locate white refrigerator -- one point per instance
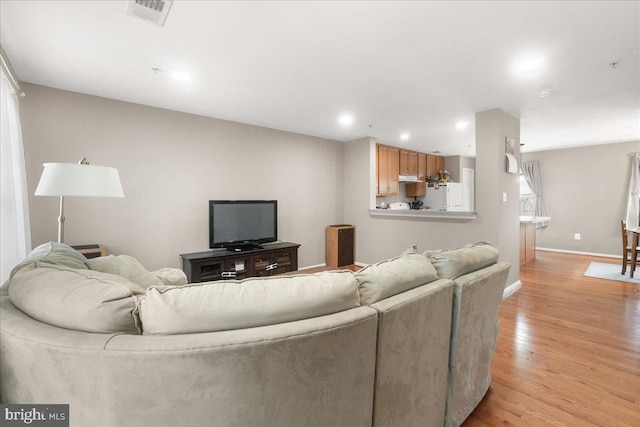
(447, 197)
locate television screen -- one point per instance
(238, 223)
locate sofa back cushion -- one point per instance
(77, 299)
(131, 269)
(453, 263)
(238, 304)
(386, 278)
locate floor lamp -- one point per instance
(77, 179)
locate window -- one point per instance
(524, 187)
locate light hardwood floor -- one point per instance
(568, 353)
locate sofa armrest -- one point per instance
(474, 332)
(412, 357)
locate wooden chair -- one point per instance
(627, 250)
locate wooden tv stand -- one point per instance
(275, 258)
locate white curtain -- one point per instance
(15, 234)
(531, 173)
(633, 202)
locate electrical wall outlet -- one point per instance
(504, 197)
(576, 236)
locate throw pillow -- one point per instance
(413, 249)
(453, 263)
(49, 253)
(77, 299)
(130, 268)
(390, 277)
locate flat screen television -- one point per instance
(242, 224)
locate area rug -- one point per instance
(611, 272)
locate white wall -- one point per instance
(170, 165)
(379, 238)
(585, 191)
(455, 164)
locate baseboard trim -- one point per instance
(511, 289)
(565, 251)
(359, 264)
(311, 266)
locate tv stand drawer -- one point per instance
(275, 258)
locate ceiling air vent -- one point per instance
(155, 11)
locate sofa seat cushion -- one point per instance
(131, 269)
(386, 278)
(78, 299)
(238, 304)
(453, 263)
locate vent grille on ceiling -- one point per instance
(155, 11)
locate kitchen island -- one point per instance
(528, 236)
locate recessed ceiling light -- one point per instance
(405, 136)
(345, 119)
(543, 93)
(181, 76)
(529, 65)
(462, 124)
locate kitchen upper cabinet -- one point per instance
(434, 164)
(388, 170)
(419, 189)
(408, 162)
(439, 163)
(432, 169)
(422, 166)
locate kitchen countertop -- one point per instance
(422, 214)
(426, 214)
(534, 219)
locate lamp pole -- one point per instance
(61, 221)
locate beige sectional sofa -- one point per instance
(403, 342)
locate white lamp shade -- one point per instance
(73, 179)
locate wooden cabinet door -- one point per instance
(419, 189)
(285, 261)
(207, 271)
(263, 264)
(236, 268)
(523, 243)
(383, 169)
(413, 163)
(416, 189)
(408, 162)
(530, 231)
(404, 162)
(422, 166)
(432, 169)
(439, 163)
(388, 170)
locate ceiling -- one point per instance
(396, 67)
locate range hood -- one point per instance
(408, 178)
